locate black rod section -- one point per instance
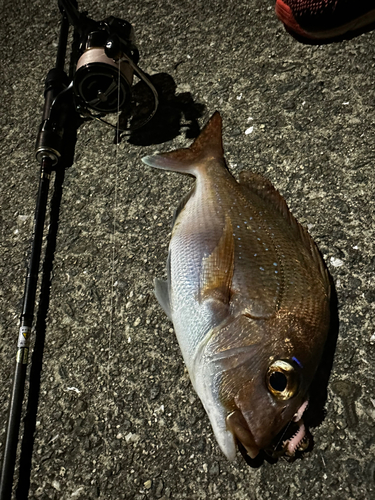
(15, 405)
(63, 40)
(49, 150)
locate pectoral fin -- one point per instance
(162, 294)
(217, 268)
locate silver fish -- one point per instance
(248, 294)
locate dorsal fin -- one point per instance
(162, 288)
(265, 190)
(188, 160)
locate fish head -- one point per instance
(266, 404)
(266, 367)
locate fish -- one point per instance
(248, 294)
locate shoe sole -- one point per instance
(285, 15)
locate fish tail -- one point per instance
(207, 146)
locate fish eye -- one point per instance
(282, 380)
(278, 381)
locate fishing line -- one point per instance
(282, 435)
(113, 257)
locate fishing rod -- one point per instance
(103, 62)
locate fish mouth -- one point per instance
(292, 439)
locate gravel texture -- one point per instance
(117, 417)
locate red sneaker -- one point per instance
(322, 20)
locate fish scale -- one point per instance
(186, 254)
(248, 294)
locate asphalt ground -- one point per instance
(117, 417)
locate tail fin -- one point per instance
(208, 145)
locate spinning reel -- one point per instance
(104, 72)
(104, 61)
(107, 61)
(105, 69)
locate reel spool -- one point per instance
(98, 83)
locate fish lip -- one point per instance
(301, 411)
(237, 424)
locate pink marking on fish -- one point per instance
(292, 444)
(301, 411)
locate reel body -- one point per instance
(105, 70)
(100, 83)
